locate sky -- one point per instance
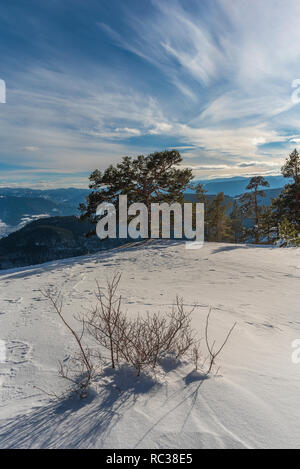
(90, 81)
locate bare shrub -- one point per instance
(106, 323)
(142, 341)
(155, 336)
(80, 369)
(196, 354)
(214, 353)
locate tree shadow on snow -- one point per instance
(243, 246)
(195, 376)
(74, 422)
(228, 248)
(191, 395)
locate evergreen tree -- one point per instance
(219, 228)
(291, 195)
(201, 197)
(148, 179)
(288, 235)
(267, 222)
(200, 193)
(250, 202)
(280, 208)
(237, 227)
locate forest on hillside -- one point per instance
(159, 178)
(249, 220)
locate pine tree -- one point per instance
(148, 179)
(267, 222)
(250, 202)
(200, 193)
(291, 196)
(237, 226)
(279, 211)
(202, 198)
(288, 235)
(218, 222)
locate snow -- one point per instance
(252, 403)
(5, 229)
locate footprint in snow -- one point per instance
(15, 300)
(16, 352)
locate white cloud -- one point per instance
(161, 128)
(229, 65)
(126, 130)
(208, 167)
(269, 164)
(30, 148)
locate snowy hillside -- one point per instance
(252, 403)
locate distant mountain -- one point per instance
(237, 185)
(49, 239)
(20, 206)
(270, 194)
(41, 238)
(228, 200)
(70, 197)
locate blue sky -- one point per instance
(91, 81)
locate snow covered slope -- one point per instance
(253, 403)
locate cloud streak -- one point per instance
(213, 78)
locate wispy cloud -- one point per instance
(213, 78)
(30, 148)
